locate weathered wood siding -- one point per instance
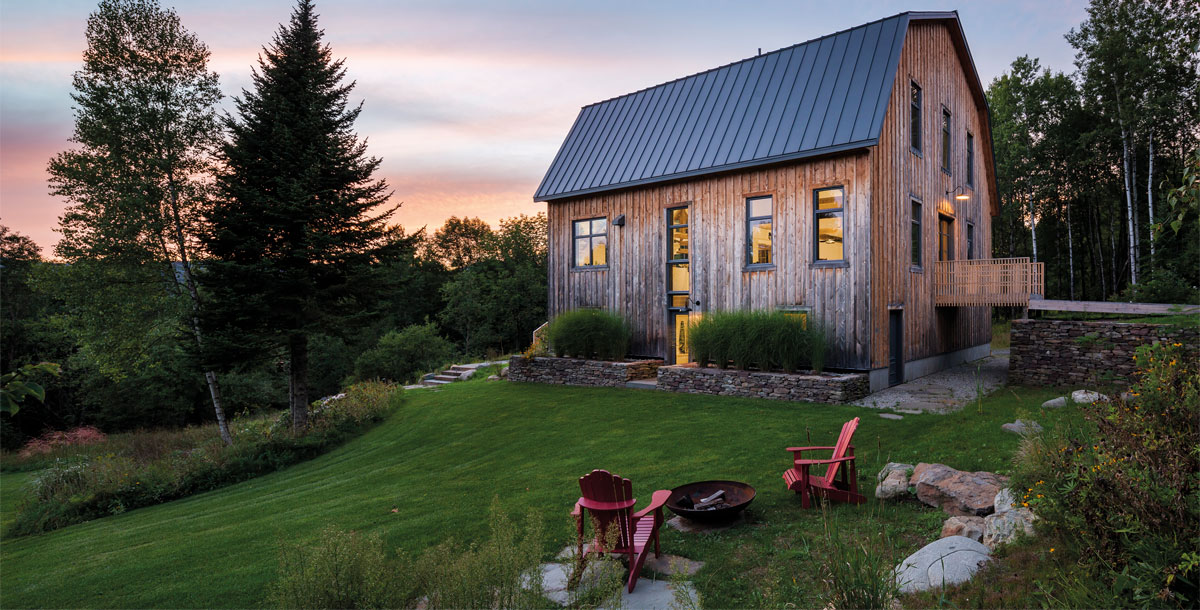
(930, 59)
(634, 281)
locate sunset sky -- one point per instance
(465, 102)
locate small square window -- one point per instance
(591, 242)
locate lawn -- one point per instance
(443, 457)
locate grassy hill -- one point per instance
(447, 453)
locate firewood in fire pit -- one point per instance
(704, 503)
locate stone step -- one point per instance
(434, 381)
(460, 368)
(642, 384)
(446, 378)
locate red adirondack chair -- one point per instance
(609, 500)
(836, 489)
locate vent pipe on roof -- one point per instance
(760, 50)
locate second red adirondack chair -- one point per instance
(609, 500)
(836, 489)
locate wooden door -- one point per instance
(895, 346)
(679, 281)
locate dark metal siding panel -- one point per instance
(823, 95)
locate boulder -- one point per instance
(957, 492)
(1055, 403)
(947, 561)
(504, 372)
(967, 527)
(493, 378)
(1004, 502)
(1087, 397)
(1001, 528)
(1023, 427)
(892, 481)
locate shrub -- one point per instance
(1124, 485)
(1160, 286)
(589, 333)
(343, 570)
(758, 339)
(48, 442)
(402, 356)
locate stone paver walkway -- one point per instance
(943, 391)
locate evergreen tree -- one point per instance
(297, 220)
(146, 125)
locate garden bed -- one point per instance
(837, 388)
(581, 372)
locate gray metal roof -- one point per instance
(813, 98)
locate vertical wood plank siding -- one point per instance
(634, 282)
(928, 58)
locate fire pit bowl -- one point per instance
(737, 497)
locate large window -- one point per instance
(945, 238)
(829, 233)
(945, 140)
(591, 242)
(678, 271)
(970, 160)
(758, 231)
(915, 118)
(916, 233)
(970, 241)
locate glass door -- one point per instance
(678, 284)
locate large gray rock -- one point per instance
(947, 561)
(1002, 528)
(1005, 501)
(967, 527)
(1055, 403)
(957, 492)
(1023, 427)
(892, 481)
(1087, 397)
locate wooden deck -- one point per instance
(988, 282)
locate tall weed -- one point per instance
(342, 570)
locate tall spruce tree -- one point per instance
(298, 217)
(146, 126)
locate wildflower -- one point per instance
(1051, 549)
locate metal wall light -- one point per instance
(958, 193)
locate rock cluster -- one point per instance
(1023, 427)
(827, 387)
(956, 492)
(575, 371)
(1069, 352)
(892, 481)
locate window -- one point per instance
(758, 231)
(945, 140)
(970, 241)
(591, 242)
(970, 161)
(915, 118)
(797, 312)
(827, 213)
(916, 233)
(945, 238)
(678, 269)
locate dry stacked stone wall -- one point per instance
(575, 371)
(835, 388)
(1081, 353)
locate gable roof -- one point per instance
(817, 97)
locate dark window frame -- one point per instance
(591, 248)
(676, 262)
(970, 241)
(817, 213)
(970, 160)
(947, 141)
(916, 254)
(914, 118)
(949, 234)
(749, 252)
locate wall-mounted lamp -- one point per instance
(958, 193)
(619, 221)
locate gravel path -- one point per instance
(944, 391)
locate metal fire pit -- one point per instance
(737, 497)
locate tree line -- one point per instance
(212, 261)
(1097, 169)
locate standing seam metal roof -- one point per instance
(817, 97)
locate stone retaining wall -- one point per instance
(574, 371)
(1084, 353)
(838, 388)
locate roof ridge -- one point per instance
(779, 50)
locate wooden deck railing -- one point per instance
(988, 282)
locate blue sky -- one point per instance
(465, 102)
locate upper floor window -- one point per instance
(916, 233)
(915, 117)
(758, 231)
(945, 140)
(591, 242)
(970, 241)
(970, 160)
(829, 234)
(945, 238)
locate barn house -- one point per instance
(848, 178)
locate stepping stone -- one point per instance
(651, 594)
(693, 527)
(892, 416)
(668, 565)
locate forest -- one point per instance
(214, 264)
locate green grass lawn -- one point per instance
(448, 452)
